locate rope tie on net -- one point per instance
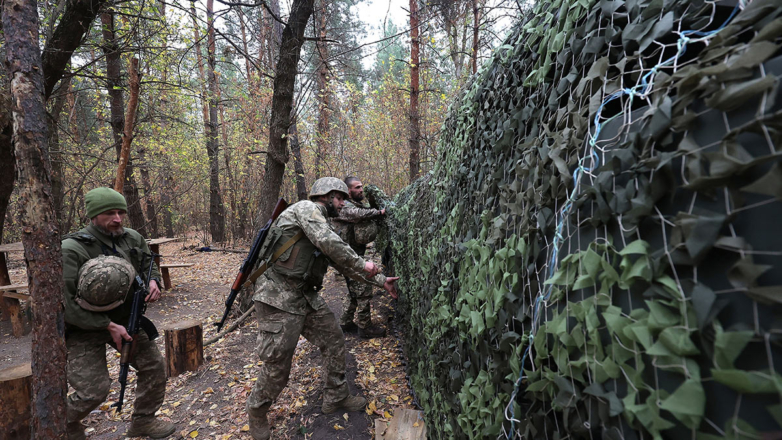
(641, 91)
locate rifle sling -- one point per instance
(266, 264)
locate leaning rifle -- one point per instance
(250, 260)
(137, 321)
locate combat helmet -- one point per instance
(104, 283)
(325, 185)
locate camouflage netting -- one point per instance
(597, 252)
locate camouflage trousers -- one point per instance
(278, 336)
(89, 375)
(357, 302)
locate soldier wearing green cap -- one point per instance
(100, 263)
(299, 247)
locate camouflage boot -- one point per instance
(149, 426)
(373, 331)
(75, 431)
(259, 425)
(350, 404)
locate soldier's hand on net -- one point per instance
(390, 286)
(371, 269)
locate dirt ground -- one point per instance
(209, 403)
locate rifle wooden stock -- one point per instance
(249, 261)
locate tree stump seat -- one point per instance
(184, 342)
(12, 306)
(166, 276)
(15, 399)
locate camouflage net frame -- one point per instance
(595, 254)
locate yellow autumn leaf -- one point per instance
(372, 407)
(209, 391)
(194, 434)
(394, 397)
(386, 415)
(338, 427)
(245, 428)
(416, 425)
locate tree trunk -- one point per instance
(415, 129)
(41, 238)
(147, 182)
(282, 104)
(130, 120)
(322, 137)
(298, 165)
(117, 107)
(230, 177)
(55, 152)
(216, 211)
(6, 147)
(476, 16)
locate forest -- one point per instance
(579, 197)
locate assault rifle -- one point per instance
(250, 260)
(137, 321)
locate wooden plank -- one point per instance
(13, 287)
(407, 424)
(380, 429)
(173, 265)
(162, 240)
(16, 295)
(12, 247)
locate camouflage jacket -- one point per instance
(89, 243)
(293, 296)
(354, 212)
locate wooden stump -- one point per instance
(15, 395)
(184, 347)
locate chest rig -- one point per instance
(301, 261)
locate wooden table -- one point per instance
(154, 246)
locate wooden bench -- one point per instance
(11, 297)
(166, 276)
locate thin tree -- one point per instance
(41, 236)
(216, 210)
(282, 104)
(415, 128)
(113, 52)
(322, 138)
(130, 120)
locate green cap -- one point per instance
(100, 200)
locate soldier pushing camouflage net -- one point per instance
(300, 244)
(357, 225)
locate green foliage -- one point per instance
(614, 280)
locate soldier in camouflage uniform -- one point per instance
(99, 264)
(355, 225)
(300, 245)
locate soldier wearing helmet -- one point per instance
(288, 304)
(356, 225)
(100, 263)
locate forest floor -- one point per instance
(210, 403)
